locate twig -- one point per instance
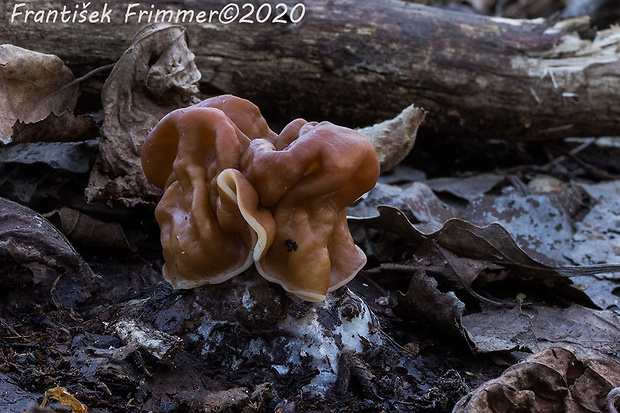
(79, 79)
(610, 400)
(593, 169)
(86, 76)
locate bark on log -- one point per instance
(359, 61)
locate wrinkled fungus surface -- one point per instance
(236, 193)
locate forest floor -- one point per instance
(493, 282)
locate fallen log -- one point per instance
(356, 62)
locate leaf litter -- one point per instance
(499, 273)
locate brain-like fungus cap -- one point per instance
(204, 237)
(306, 178)
(237, 193)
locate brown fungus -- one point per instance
(237, 193)
(204, 237)
(306, 178)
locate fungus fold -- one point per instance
(236, 193)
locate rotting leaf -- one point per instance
(559, 225)
(65, 398)
(541, 224)
(225, 400)
(19, 398)
(99, 358)
(416, 201)
(508, 329)
(494, 244)
(75, 157)
(402, 174)
(424, 301)
(155, 76)
(352, 367)
(28, 240)
(64, 127)
(38, 173)
(453, 272)
(468, 188)
(394, 138)
(552, 380)
(32, 85)
(596, 238)
(530, 328)
(86, 231)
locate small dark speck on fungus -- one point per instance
(290, 245)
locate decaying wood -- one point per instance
(157, 344)
(356, 62)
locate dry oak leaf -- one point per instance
(393, 139)
(32, 86)
(85, 231)
(553, 380)
(156, 75)
(30, 241)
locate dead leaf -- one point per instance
(468, 188)
(492, 244)
(453, 272)
(155, 343)
(596, 239)
(39, 172)
(351, 366)
(545, 184)
(584, 330)
(101, 358)
(401, 174)
(424, 301)
(394, 138)
(541, 224)
(155, 76)
(65, 398)
(570, 223)
(219, 401)
(496, 328)
(459, 253)
(86, 231)
(65, 127)
(32, 85)
(416, 201)
(603, 289)
(550, 381)
(71, 156)
(28, 240)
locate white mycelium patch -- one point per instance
(352, 323)
(312, 336)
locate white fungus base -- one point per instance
(325, 346)
(320, 334)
